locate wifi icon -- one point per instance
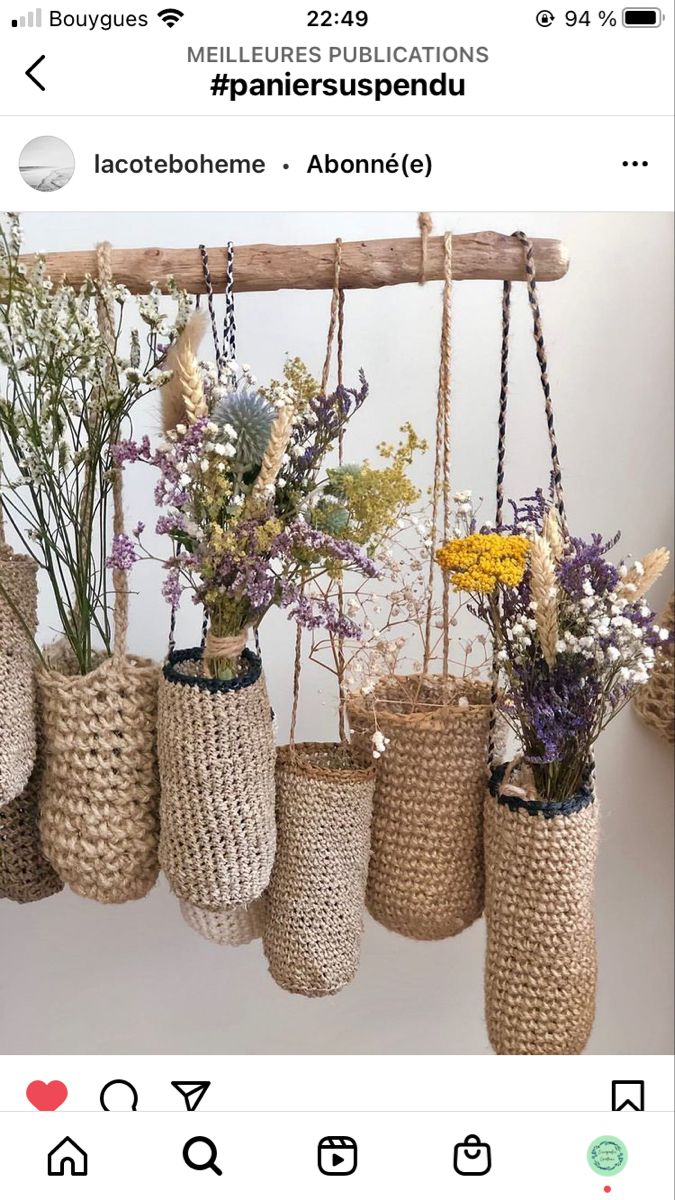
(170, 16)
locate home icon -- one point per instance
(67, 1159)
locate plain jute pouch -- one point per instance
(540, 972)
(315, 901)
(425, 879)
(18, 618)
(216, 762)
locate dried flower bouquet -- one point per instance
(573, 635)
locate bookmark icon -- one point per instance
(192, 1092)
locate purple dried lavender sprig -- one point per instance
(585, 561)
(301, 535)
(122, 553)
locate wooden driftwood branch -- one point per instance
(372, 264)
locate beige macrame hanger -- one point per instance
(336, 325)
(106, 321)
(441, 494)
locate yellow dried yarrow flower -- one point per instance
(482, 561)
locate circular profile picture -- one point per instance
(46, 164)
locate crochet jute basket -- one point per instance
(655, 701)
(425, 878)
(18, 595)
(99, 796)
(25, 874)
(228, 927)
(216, 761)
(315, 902)
(540, 973)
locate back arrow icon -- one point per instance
(31, 76)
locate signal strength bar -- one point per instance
(32, 20)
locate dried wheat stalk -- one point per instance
(552, 532)
(637, 583)
(183, 396)
(273, 457)
(545, 593)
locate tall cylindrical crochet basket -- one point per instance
(229, 926)
(540, 973)
(99, 818)
(216, 761)
(315, 902)
(18, 615)
(655, 701)
(425, 879)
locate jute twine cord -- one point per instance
(99, 820)
(216, 756)
(18, 615)
(655, 701)
(224, 647)
(540, 974)
(315, 901)
(425, 878)
(556, 474)
(25, 875)
(229, 926)
(441, 494)
(425, 226)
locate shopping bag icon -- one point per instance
(472, 1157)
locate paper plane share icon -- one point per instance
(192, 1092)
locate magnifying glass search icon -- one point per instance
(210, 1162)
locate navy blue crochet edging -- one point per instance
(173, 673)
(547, 808)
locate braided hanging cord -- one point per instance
(211, 304)
(106, 321)
(441, 495)
(556, 474)
(213, 647)
(336, 324)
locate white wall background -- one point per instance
(81, 978)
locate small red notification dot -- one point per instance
(607, 1189)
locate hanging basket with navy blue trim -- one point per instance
(540, 973)
(216, 761)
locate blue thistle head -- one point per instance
(251, 417)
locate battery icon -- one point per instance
(642, 18)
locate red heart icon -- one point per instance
(46, 1096)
